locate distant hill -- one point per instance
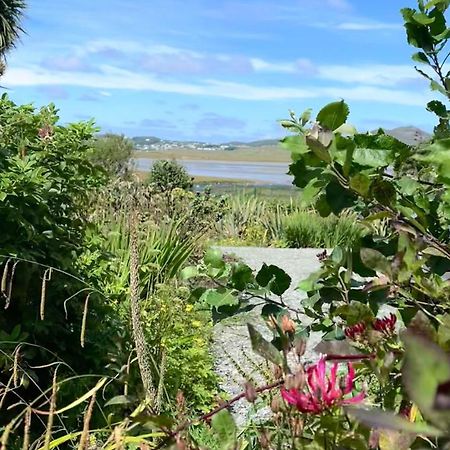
(409, 135)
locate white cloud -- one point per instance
(367, 26)
(373, 74)
(110, 78)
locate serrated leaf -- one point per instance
(333, 115)
(264, 348)
(274, 278)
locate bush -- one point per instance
(166, 176)
(113, 152)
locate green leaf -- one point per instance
(333, 115)
(384, 420)
(241, 276)
(121, 400)
(372, 157)
(383, 191)
(225, 429)
(355, 312)
(264, 348)
(319, 149)
(295, 144)
(311, 283)
(426, 366)
(375, 260)
(274, 278)
(438, 108)
(219, 297)
(214, 258)
(189, 272)
(420, 57)
(422, 19)
(361, 184)
(312, 190)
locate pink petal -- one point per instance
(349, 379)
(356, 399)
(290, 396)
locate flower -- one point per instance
(386, 325)
(323, 390)
(45, 132)
(356, 331)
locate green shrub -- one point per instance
(166, 176)
(113, 152)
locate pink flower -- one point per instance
(356, 331)
(323, 390)
(386, 325)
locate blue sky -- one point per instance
(216, 70)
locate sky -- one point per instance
(217, 70)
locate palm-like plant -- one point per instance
(11, 12)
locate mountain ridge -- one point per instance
(410, 135)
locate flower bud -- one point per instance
(250, 392)
(287, 325)
(277, 372)
(276, 404)
(300, 347)
(264, 439)
(297, 426)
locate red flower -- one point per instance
(323, 391)
(356, 331)
(386, 325)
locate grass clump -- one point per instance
(304, 229)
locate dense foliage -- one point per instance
(113, 152)
(166, 176)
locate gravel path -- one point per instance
(235, 360)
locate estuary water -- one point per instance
(255, 172)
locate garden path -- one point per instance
(235, 360)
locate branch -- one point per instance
(215, 411)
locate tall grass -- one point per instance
(251, 220)
(304, 229)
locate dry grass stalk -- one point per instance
(47, 277)
(48, 432)
(16, 366)
(84, 439)
(6, 389)
(6, 433)
(83, 323)
(10, 285)
(5, 276)
(26, 431)
(118, 438)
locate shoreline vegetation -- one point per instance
(274, 154)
